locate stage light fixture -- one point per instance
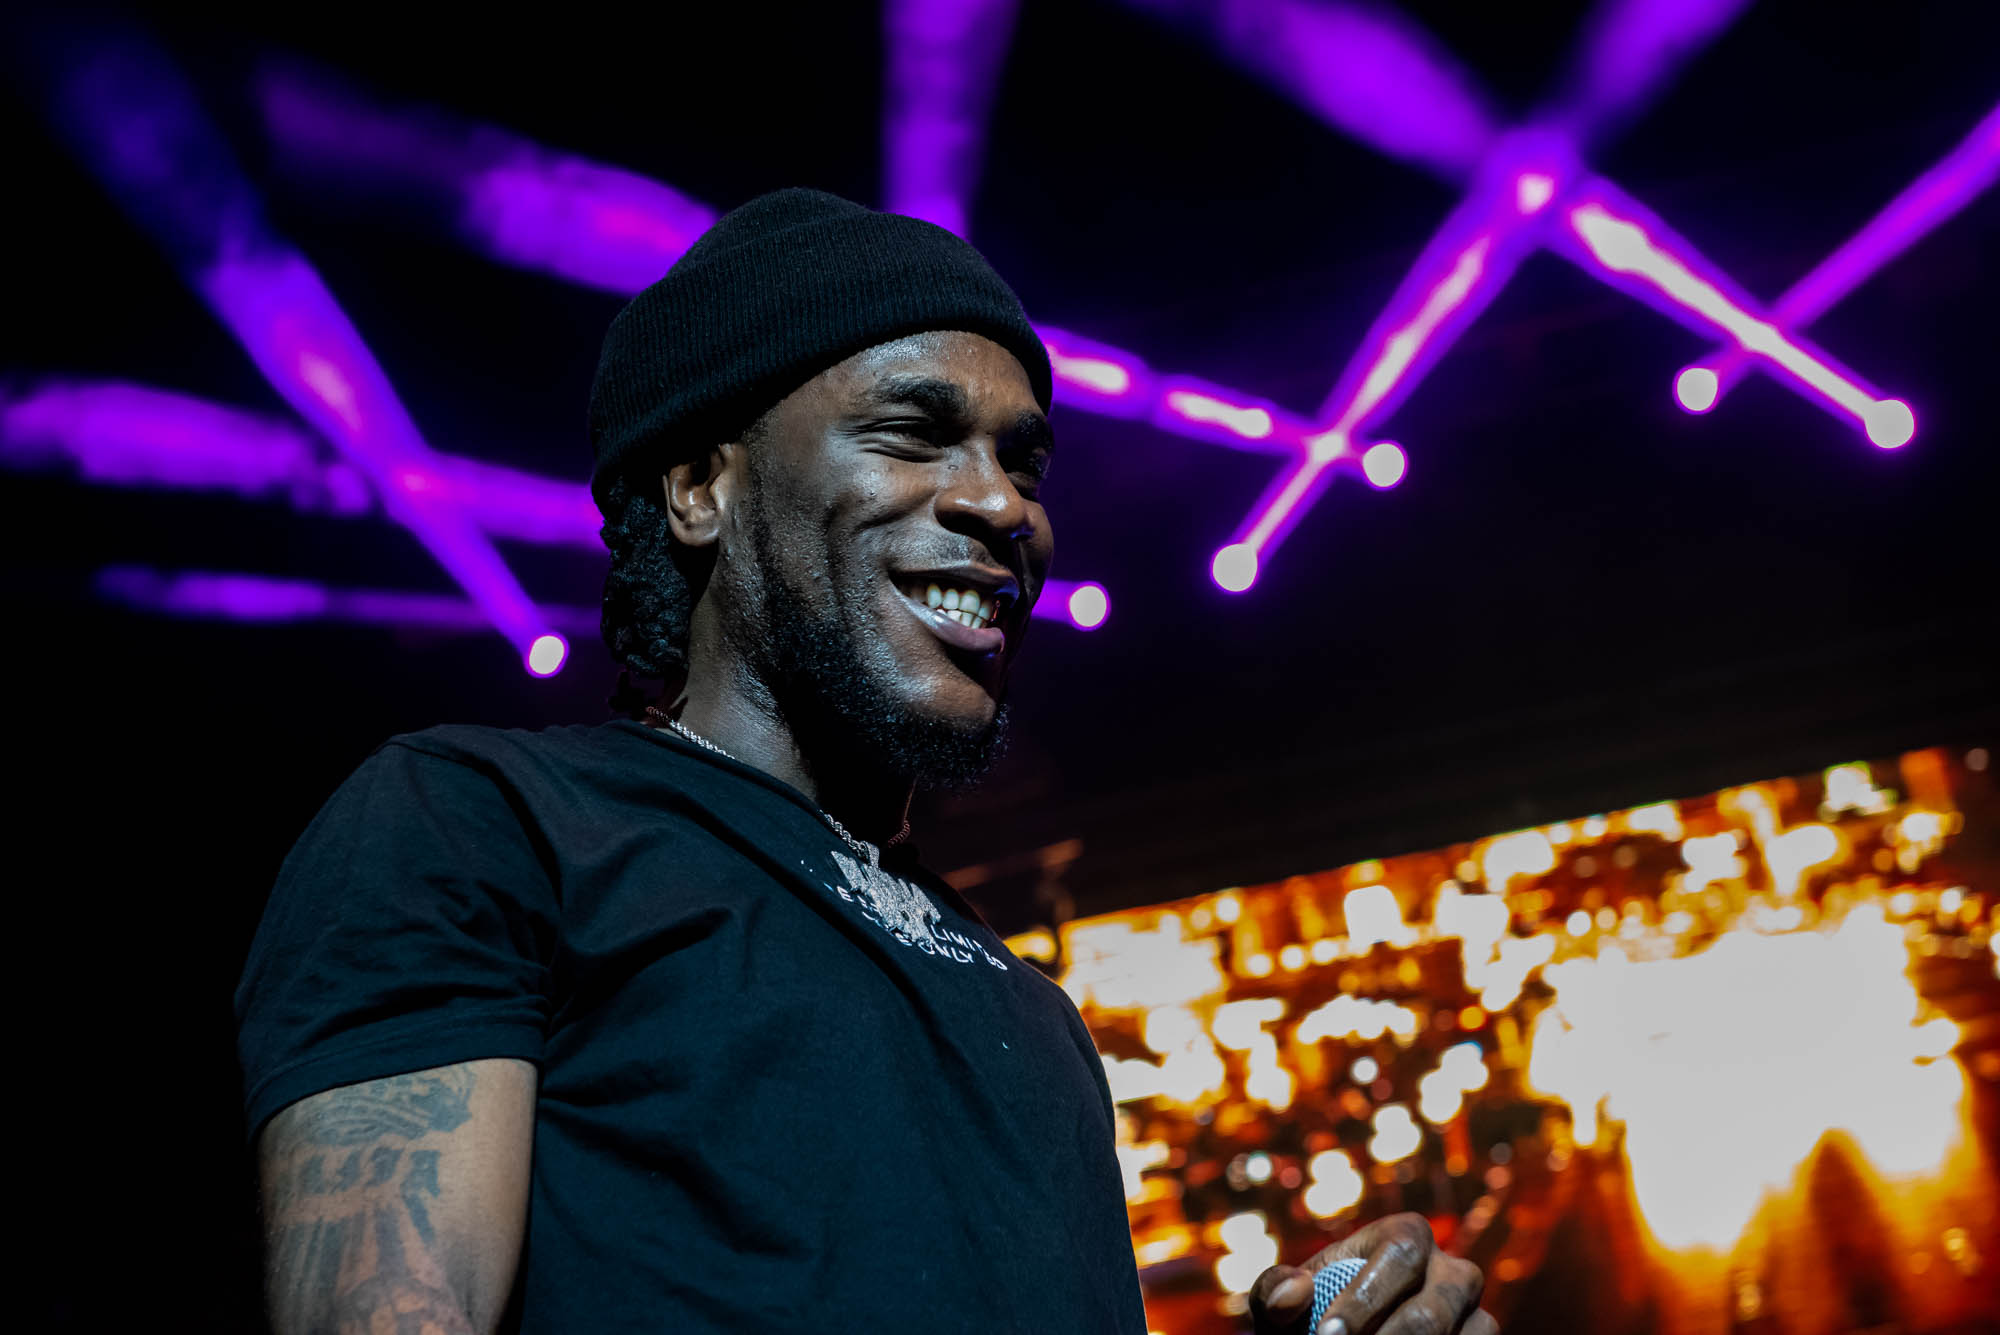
(1533, 191)
(1366, 70)
(1638, 253)
(1628, 55)
(1235, 567)
(136, 124)
(1462, 268)
(943, 59)
(1696, 389)
(134, 435)
(245, 597)
(512, 200)
(1965, 173)
(524, 205)
(1890, 423)
(1205, 409)
(547, 655)
(1082, 605)
(1628, 51)
(1385, 464)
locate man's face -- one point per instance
(888, 491)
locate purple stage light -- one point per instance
(301, 340)
(220, 596)
(137, 125)
(593, 225)
(1696, 389)
(509, 198)
(1083, 606)
(1635, 251)
(1890, 423)
(607, 228)
(943, 59)
(1102, 379)
(1532, 191)
(1209, 412)
(1460, 271)
(131, 435)
(1631, 49)
(1096, 377)
(1364, 70)
(1234, 568)
(1629, 56)
(508, 503)
(1385, 464)
(547, 655)
(238, 596)
(1931, 200)
(1089, 606)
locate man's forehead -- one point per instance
(935, 365)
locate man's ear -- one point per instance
(699, 493)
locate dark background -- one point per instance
(1580, 599)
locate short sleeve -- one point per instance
(411, 926)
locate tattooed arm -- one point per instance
(398, 1204)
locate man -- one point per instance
(660, 1025)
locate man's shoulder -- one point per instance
(483, 746)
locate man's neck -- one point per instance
(737, 713)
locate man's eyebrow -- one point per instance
(941, 399)
(1032, 432)
(947, 403)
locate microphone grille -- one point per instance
(1328, 1283)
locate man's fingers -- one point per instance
(1281, 1298)
(1399, 1250)
(1449, 1298)
(1481, 1323)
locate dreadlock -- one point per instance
(651, 587)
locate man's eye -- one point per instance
(1034, 466)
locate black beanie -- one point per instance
(774, 293)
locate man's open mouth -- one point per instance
(967, 614)
(963, 603)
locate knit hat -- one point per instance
(774, 293)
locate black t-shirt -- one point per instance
(776, 1092)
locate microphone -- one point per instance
(1327, 1285)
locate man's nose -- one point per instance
(980, 491)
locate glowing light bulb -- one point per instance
(1532, 191)
(1326, 446)
(1385, 464)
(1397, 1135)
(1336, 1186)
(1697, 388)
(1890, 423)
(1235, 567)
(547, 655)
(1088, 606)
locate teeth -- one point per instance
(965, 606)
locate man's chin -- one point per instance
(950, 752)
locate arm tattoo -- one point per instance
(350, 1234)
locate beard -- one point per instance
(830, 686)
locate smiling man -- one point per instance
(660, 1024)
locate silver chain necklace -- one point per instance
(867, 851)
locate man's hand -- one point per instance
(1407, 1287)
